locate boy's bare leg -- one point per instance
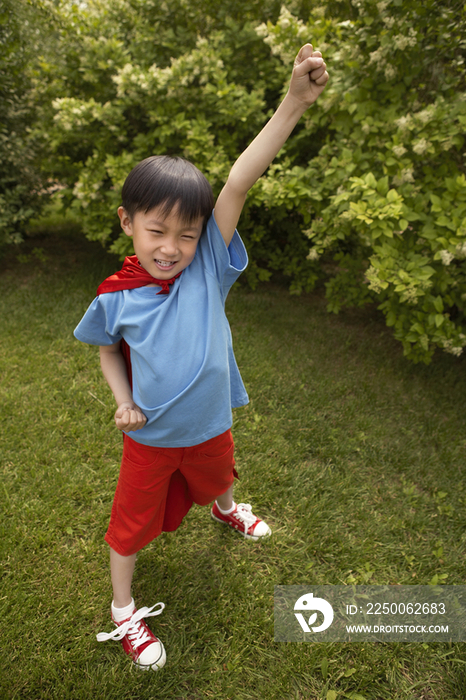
(145, 649)
(122, 569)
(225, 501)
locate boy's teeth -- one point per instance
(162, 262)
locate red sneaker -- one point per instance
(145, 649)
(243, 520)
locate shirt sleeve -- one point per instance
(99, 325)
(225, 264)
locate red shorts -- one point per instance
(158, 485)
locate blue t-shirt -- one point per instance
(185, 376)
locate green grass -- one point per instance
(352, 455)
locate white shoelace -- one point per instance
(244, 514)
(135, 631)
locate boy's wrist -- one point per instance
(296, 105)
(126, 403)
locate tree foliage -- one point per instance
(369, 193)
(392, 208)
(20, 179)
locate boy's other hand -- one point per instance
(309, 76)
(129, 416)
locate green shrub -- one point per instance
(368, 194)
(20, 180)
(389, 189)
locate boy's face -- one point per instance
(164, 244)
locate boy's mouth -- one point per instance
(165, 263)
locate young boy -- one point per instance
(166, 352)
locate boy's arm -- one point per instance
(128, 415)
(308, 80)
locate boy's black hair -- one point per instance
(168, 182)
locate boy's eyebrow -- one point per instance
(155, 222)
(185, 227)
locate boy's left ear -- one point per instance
(125, 221)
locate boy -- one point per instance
(167, 355)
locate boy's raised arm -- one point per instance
(308, 80)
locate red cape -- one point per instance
(131, 276)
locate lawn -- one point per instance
(353, 456)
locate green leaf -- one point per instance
(443, 221)
(350, 671)
(370, 180)
(324, 667)
(382, 186)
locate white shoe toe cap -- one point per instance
(153, 656)
(262, 530)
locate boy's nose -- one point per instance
(169, 247)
